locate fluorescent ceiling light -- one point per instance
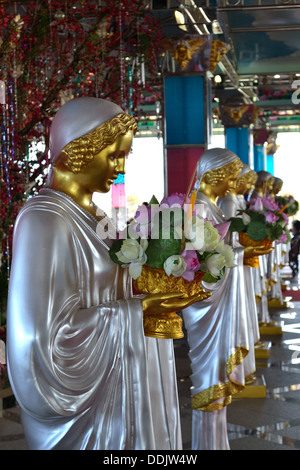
(180, 20)
(204, 15)
(216, 28)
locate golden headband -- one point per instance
(249, 177)
(214, 177)
(78, 153)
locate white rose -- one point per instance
(194, 232)
(175, 265)
(133, 253)
(214, 264)
(211, 237)
(227, 252)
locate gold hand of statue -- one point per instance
(258, 250)
(170, 302)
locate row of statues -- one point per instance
(83, 372)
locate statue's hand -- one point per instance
(170, 302)
(251, 251)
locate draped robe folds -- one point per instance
(274, 264)
(82, 371)
(218, 341)
(230, 205)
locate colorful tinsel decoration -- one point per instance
(52, 51)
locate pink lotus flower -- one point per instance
(222, 229)
(256, 205)
(176, 198)
(286, 217)
(192, 264)
(270, 204)
(271, 218)
(142, 220)
(143, 214)
(282, 238)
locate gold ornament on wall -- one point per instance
(183, 50)
(206, 53)
(236, 113)
(218, 48)
(239, 114)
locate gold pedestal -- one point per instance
(154, 281)
(245, 240)
(262, 349)
(276, 303)
(256, 389)
(272, 328)
(166, 326)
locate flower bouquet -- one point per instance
(288, 204)
(170, 247)
(262, 222)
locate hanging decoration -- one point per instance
(52, 51)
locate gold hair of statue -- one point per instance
(78, 153)
(218, 182)
(276, 188)
(246, 182)
(264, 187)
(214, 177)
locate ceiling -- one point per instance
(263, 63)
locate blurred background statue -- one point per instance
(217, 327)
(230, 205)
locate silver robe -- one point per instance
(81, 369)
(218, 342)
(230, 205)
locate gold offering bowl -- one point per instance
(154, 281)
(245, 240)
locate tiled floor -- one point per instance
(271, 423)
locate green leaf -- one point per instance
(153, 201)
(257, 217)
(274, 231)
(160, 250)
(209, 278)
(116, 246)
(237, 224)
(256, 231)
(288, 235)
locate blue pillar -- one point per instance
(240, 141)
(270, 164)
(187, 126)
(260, 161)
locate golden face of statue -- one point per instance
(105, 167)
(269, 184)
(276, 188)
(244, 186)
(226, 184)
